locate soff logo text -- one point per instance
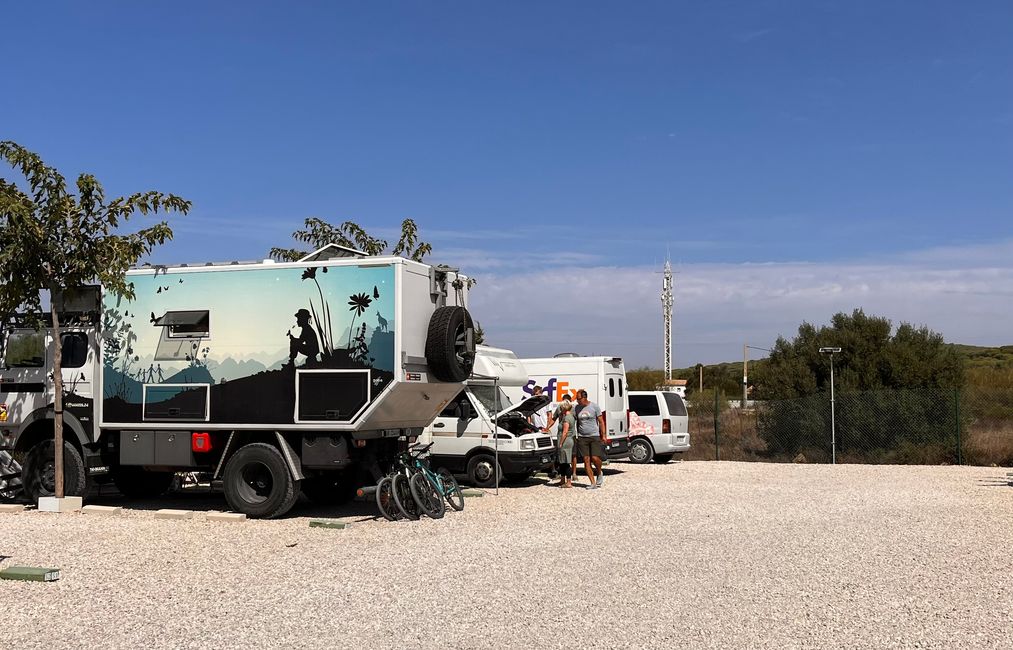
(554, 388)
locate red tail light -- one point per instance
(200, 442)
(666, 425)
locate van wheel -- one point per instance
(450, 344)
(641, 451)
(661, 459)
(257, 482)
(482, 471)
(135, 483)
(39, 472)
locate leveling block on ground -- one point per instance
(327, 523)
(31, 573)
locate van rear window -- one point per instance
(612, 387)
(644, 405)
(675, 404)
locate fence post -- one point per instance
(956, 420)
(717, 426)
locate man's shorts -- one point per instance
(590, 447)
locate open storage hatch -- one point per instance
(331, 395)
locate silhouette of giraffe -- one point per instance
(383, 322)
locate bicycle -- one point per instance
(434, 490)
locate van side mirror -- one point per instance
(464, 406)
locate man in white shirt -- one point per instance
(537, 418)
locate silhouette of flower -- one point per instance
(359, 303)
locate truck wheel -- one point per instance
(135, 483)
(257, 482)
(450, 344)
(641, 451)
(661, 459)
(330, 489)
(482, 471)
(39, 472)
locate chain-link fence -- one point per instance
(923, 426)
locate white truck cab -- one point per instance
(659, 426)
(480, 426)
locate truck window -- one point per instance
(675, 404)
(644, 405)
(74, 349)
(612, 387)
(25, 349)
(453, 408)
(620, 381)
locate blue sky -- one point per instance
(546, 146)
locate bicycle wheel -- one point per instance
(385, 499)
(427, 496)
(451, 490)
(403, 497)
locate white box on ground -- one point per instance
(66, 504)
(108, 511)
(168, 513)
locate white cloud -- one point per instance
(962, 292)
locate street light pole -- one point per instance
(833, 423)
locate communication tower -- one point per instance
(666, 305)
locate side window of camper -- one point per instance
(612, 387)
(644, 405)
(186, 324)
(74, 349)
(620, 382)
(25, 349)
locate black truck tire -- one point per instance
(482, 469)
(450, 344)
(257, 482)
(135, 483)
(38, 476)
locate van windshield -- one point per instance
(493, 398)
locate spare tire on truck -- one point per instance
(450, 344)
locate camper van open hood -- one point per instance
(527, 406)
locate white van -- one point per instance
(604, 379)
(462, 434)
(659, 426)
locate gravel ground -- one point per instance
(699, 554)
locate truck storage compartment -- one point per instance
(183, 402)
(168, 448)
(331, 395)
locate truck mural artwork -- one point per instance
(269, 335)
(274, 378)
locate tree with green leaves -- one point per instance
(56, 241)
(318, 233)
(894, 389)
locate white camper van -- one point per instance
(462, 434)
(253, 373)
(604, 379)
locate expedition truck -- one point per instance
(481, 425)
(270, 377)
(604, 379)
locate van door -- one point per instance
(455, 432)
(615, 402)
